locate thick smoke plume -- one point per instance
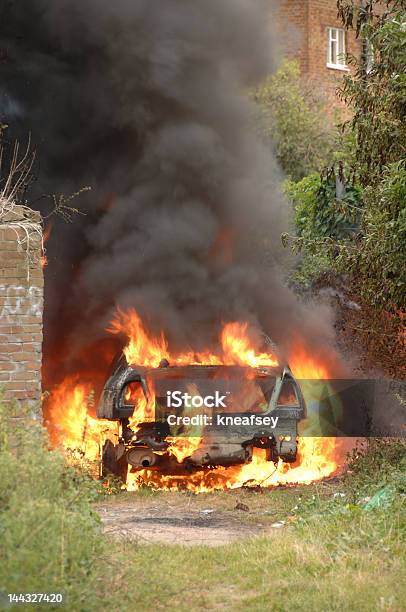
(145, 102)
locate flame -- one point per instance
(305, 366)
(238, 350)
(183, 447)
(144, 349)
(45, 238)
(144, 411)
(144, 406)
(71, 425)
(316, 460)
(141, 348)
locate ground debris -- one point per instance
(241, 506)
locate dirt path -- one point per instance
(211, 519)
(173, 526)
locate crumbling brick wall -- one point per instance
(21, 304)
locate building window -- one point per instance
(336, 49)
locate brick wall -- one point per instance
(301, 27)
(322, 15)
(289, 20)
(21, 304)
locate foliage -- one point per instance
(321, 219)
(357, 15)
(366, 515)
(293, 121)
(378, 255)
(303, 196)
(372, 164)
(50, 535)
(51, 539)
(378, 96)
(318, 210)
(378, 101)
(317, 566)
(375, 464)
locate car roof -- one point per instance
(205, 371)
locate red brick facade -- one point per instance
(301, 27)
(21, 304)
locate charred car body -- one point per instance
(252, 393)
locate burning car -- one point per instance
(179, 419)
(217, 418)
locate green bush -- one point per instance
(375, 464)
(303, 195)
(377, 99)
(293, 121)
(377, 96)
(49, 533)
(379, 255)
(320, 220)
(318, 212)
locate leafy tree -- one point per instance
(378, 255)
(293, 121)
(378, 99)
(377, 96)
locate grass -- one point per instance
(309, 572)
(50, 534)
(339, 549)
(333, 556)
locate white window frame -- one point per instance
(336, 38)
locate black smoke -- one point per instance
(145, 102)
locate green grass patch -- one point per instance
(313, 567)
(50, 536)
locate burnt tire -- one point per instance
(111, 464)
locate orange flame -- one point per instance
(305, 366)
(238, 350)
(144, 407)
(316, 460)
(142, 349)
(69, 422)
(45, 238)
(71, 425)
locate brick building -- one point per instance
(311, 32)
(21, 304)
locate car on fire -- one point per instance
(264, 406)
